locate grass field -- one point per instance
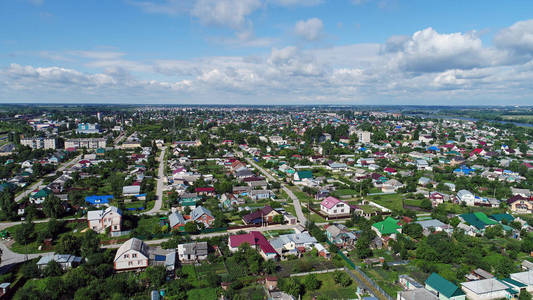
(330, 289)
(390, 201)
(202, 294)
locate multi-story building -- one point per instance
(39, 143)
(88, 128)
(132, 255)
(88, 143)
(99, 220)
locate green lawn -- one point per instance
(202, 294)
(330, 289)
(390, 201)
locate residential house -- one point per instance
(39, 196)
(301, 175)
(520, 204)
(260, 216)
(430, 226)
(488, 289)
(387, 227)
(131, 190)
(65, 261)
(100, 220)
(98, 201)
(293, 243)
(467, 197)
(333, 207)
(176, 221)
(192, 252)
(444, 289)
(408, 283)
(417, 294)
(260, 194)
(256, 240)
(340, 235)
(132, 255)
(202, 215)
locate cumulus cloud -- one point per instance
(310, 29)
(517, 38)
(424, 65)
(429, 51)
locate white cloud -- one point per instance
(310, 29)
(429, 51)
(518, 38)
(228, 13)
(426, 65)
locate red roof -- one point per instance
(390, 170)
(254, 238)
(204, 189)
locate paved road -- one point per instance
(160, 185)
(119, 138)
(10, 258)
(213, 234)
(32, 187)
(295, 200)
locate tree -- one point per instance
(24, 233)
(524, 295)
(342, 278)
(311, 282)
(52, 206)
(413, 230)
(191, 227)
(30, 270)
(90, 243)
(68, 244)
(52, 269)
(426, 204)
(154, 276)
(292, 286)
(278, 219)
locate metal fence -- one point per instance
(374, 287)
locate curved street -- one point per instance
(295, 200)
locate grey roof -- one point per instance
(170, 259)
(132, 244)
(297, 238)
(485, 286)
(197, 249)
(4, 285)
(199, 211)
(418, 294)
(131, 189)
(176, 218)
(60, 259)
(431, 223)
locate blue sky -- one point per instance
(267, 51)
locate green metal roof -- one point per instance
(443, 286)
(513, 282)
(501, 217)
(483, 218)
(305, 174)
(387, 226)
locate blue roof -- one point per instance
(433, 148)
(160, 258)
(96, 199)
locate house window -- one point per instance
(126, 255)
(130, 263)
(342, 210)
(334, 211)
(134, 255)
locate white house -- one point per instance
(334, 207)
(487, 289)
(466, 196)
(132, 255)
(99, 220)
